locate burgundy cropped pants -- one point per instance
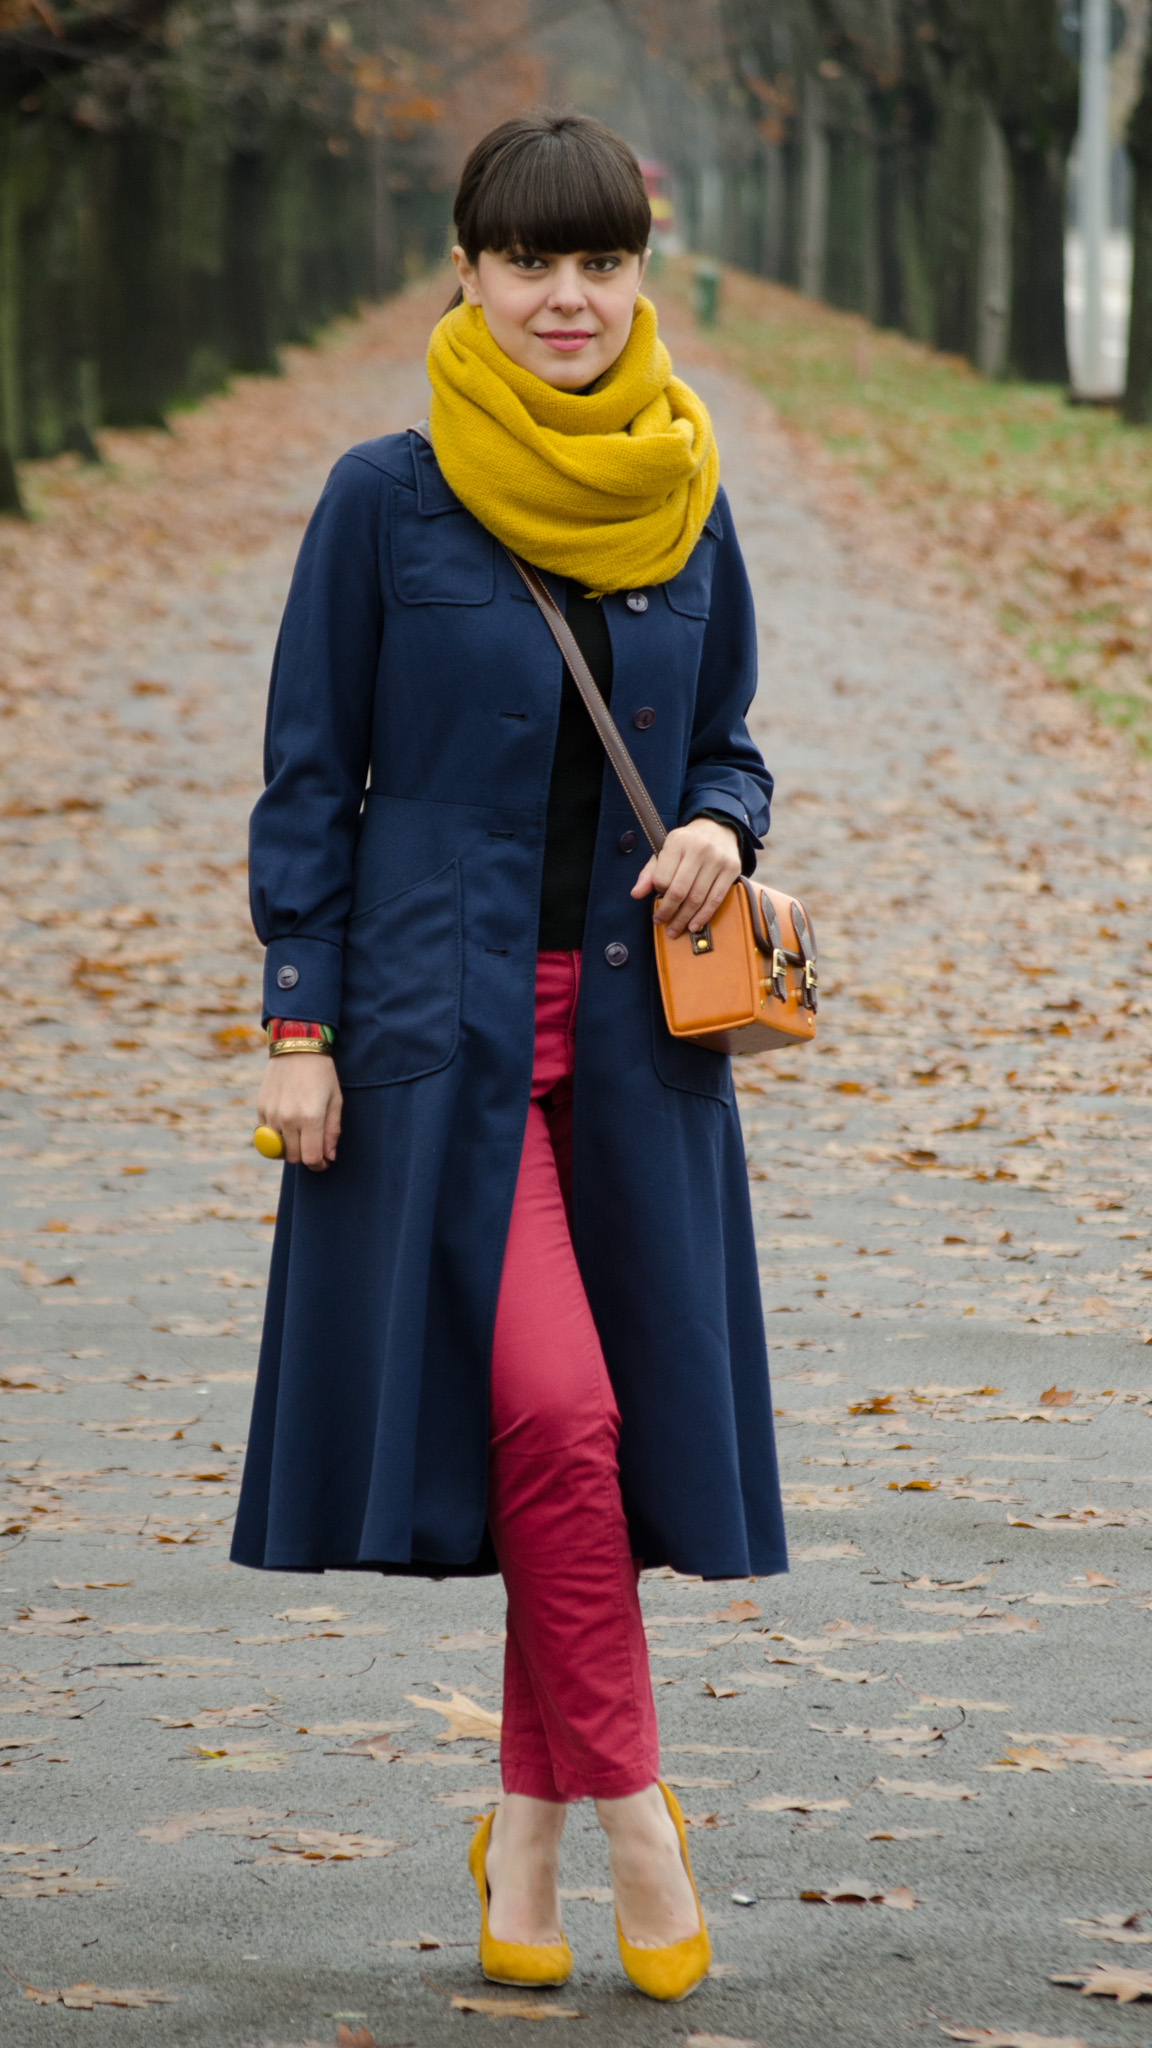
(579, 1719)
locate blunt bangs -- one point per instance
(551, 185)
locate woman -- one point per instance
(514, 1319)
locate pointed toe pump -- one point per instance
(672, 1972)
(512, 1962)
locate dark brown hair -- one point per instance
(547, 184)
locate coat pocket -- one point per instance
(400, 1013)
(694, 1068)
(446, 559)
(690, 593)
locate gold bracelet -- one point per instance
(283, 1045)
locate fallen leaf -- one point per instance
(988, 2037)
(914, 1788)
(903, 1834)
(1052, 1397)
(381, 1748)
(924, 1584)
(326, 1845)
(312, 1614)
(354, 1728)
(596, 1894)
(736, 1610)
(784, 1802)
(1109, 1980)
(720, 2041)
(466, 1721)
(51, 1884)
(345, 2038)
(1024, 1757)
(241, 1756)
(514, 2008)
(89, 1585)
(1113, 1927)
(83, 1997)
(826, 1553)
(928, 1699)
(850, 1892)
(217, 1717)
(52, 1616)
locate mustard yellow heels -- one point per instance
(512, 1962)
(674, 1971)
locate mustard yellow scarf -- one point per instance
(611, 487)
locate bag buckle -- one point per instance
(808, 993)
(779, 975)
(702, 940)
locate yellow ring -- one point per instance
(268, 1142)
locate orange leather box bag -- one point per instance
(747, 980)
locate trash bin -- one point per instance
(706, 293)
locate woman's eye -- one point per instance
(603, 266)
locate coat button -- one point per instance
(616, 955)
(644, 718)
(636, 601)
(287, 977)
(627, 842)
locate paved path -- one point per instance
(961, 1170)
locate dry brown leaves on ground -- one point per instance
(1114, 1927)
(990, 2037)
(851, 1892)
(83, 1997)
(466, 1721)
(325, 1845)
(1109, 1980)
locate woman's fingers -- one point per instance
(692, 874)
(332, 1123)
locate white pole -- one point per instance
(1095, 153)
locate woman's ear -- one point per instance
(468, 275)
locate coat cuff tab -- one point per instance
(302, 980)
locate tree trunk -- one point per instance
(1037, 349)
(773, 231)
(11, 381)
(1138, 390)
(131, 371)
(813, 236)
(247, 324)
(994, 282)
(11, 503)
(384, 265)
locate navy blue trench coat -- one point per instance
(396, 856)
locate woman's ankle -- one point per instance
(523, 1870)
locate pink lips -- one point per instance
(566, 339)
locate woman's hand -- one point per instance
(300, 1097)
(692, 874)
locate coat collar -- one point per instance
(432, 493)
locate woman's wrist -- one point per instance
(290, 1035)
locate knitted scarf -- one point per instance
(610, 487)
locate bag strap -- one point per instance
(631, 781)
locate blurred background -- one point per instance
(187, 184)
